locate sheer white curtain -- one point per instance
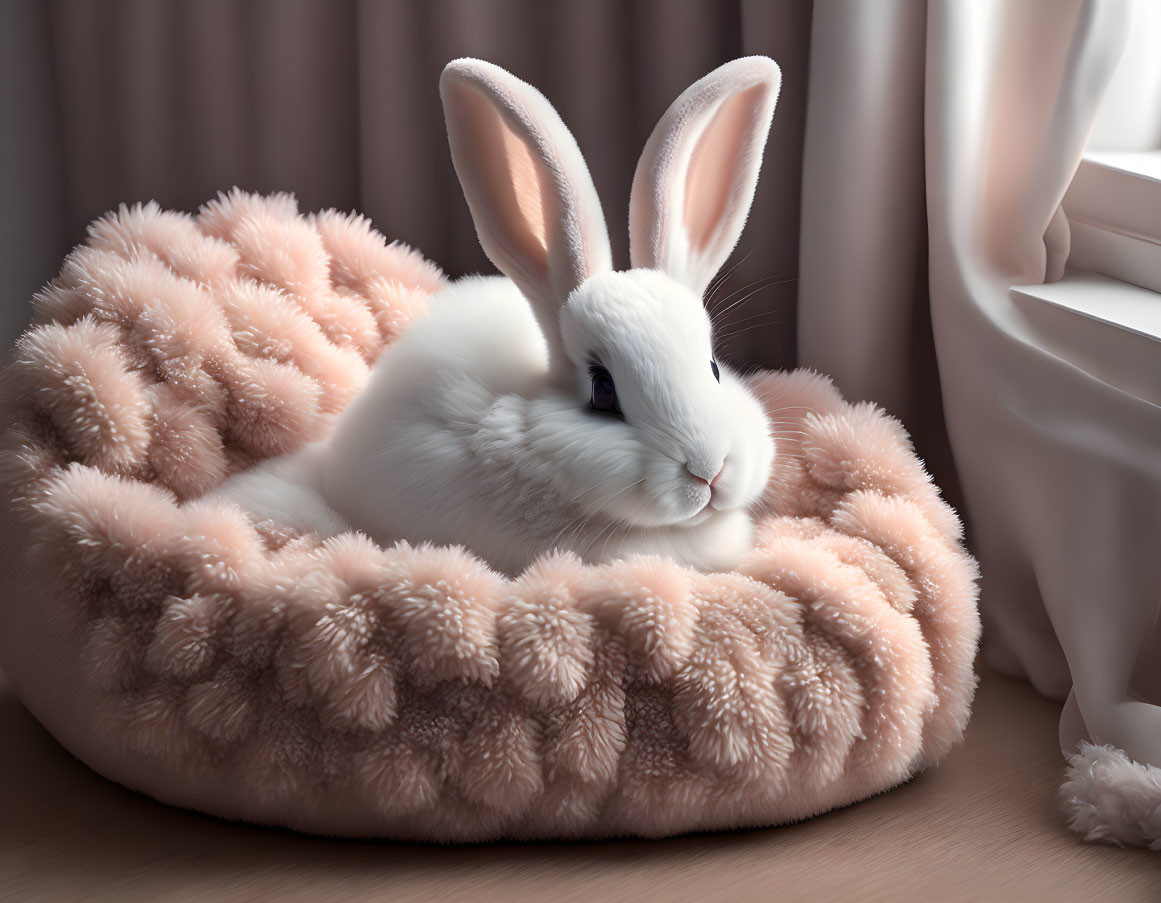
(976, 115)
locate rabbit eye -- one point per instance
(604, 397)
(714, 367)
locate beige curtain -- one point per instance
(976, 114)
(129, 100)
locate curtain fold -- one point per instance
(1016, 412)
(864, 315)
(32, 199)
(863, 199)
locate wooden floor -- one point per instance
(983, 826)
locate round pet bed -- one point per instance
(341, 688)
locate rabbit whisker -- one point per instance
(755, 288)
(749, 285)
(565, 535)
(721, 278)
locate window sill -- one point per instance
(1114, 208)
(1108, 328)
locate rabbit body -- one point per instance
(462, 438)
(566, 406)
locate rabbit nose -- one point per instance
(699, 471)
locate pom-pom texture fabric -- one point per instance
(1109, 798)
(412, 692)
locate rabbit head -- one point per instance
(634, 348)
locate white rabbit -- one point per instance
(565, 406)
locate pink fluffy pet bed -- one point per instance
(342, 688)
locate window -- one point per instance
(1105, 315)
(1114, 202)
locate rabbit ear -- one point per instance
(696, 178)
(533, 201)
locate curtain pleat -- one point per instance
(33, 213)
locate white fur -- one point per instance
(461, 437)
(475, 428)
(1109, 798)
(285, 489)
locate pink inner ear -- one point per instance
(502, 180)
(529, 198)
(714, 165)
